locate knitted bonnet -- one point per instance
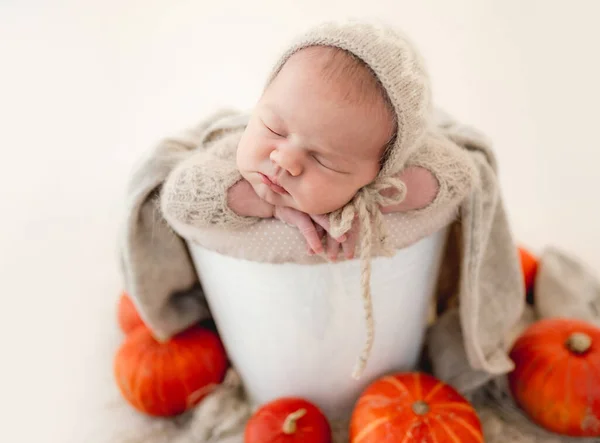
(401, 71)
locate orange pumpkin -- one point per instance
(556, 379)
(288, 420)
(127, 315)
(165, 379)
(413, 407)
(529, 266)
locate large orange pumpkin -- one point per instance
(413, 407)
(556, 379)
(127, 315)
(165, 379)
(288, 420)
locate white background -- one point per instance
(86, 87)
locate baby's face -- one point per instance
(306, 146)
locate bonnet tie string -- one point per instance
(367, 206)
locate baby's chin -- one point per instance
(316, 207)
(307, 204)
(288, 201)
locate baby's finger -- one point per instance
(349, 246)
(333, 248)
(323, 221)
(320, 231)
(304, 224)
(309, 231)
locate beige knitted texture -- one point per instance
(450, 164)
(195, 193)
(153, 259)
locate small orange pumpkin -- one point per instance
(556, 379)
(166, 379)
(288, 420)
(529, 266)
(413, 407)
(128, 317)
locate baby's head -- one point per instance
(318, 133)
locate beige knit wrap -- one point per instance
(401, 71)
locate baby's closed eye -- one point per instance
(328, 164)
(274, 131)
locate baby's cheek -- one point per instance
(321, 196)
(307, 195)
(253, 149)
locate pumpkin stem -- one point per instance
(289, 425)
(579, 342)
(420, 407)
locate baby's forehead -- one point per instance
(333, 75)
(341, 70)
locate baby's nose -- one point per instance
(288, 159)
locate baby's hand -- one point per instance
(313, 228)
(242, 200)
(421, 189)
(348, 242)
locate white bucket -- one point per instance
(297, 330)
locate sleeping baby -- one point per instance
(344, 153)
(318, 134)
(334, 142)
